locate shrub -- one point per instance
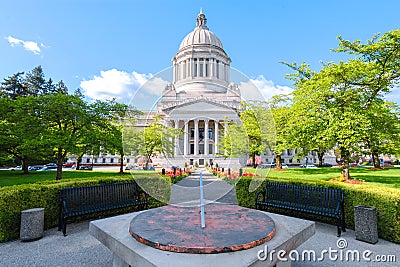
(14, 199)
(385, 200)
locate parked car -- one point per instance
(16, 168)
(312, 166)
(48, 168)
(308, 166)
(267, 165)
(151, 168)
(86, 167)
(35, 168)
(284, 165)
(51, 165)
(132, 167)
(326, 165)
(69, 164)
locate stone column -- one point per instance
(198, 67)
(185, 138)
(211, 68)
(206, 137)
(204, 67)
(176, 149)
(196, 137)
(216, 137)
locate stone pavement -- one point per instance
(187, 191)
(79, 248)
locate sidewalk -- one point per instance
(187, 191)
(81, 249)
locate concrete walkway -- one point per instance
(81, 249)
(187, 191)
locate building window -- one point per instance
(210, 133)
(111, 160)
(127, 160)
(201, 133)
(87, 160)
(290, 160)
(191, 133)
(206, 69)
(195, 68)
(104, 160)
(217, 69)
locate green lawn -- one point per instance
(389, 177)
(8, 178)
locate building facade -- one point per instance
(200, 100)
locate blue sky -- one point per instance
(111, 47)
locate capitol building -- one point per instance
(200, 100)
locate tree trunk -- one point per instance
(78, 161)
(60, 161)
(24, 163)
(320, 158)
(345, 156)
(253, 160)
(147, 163)
(278, 161)
(375, 159)
(121, 165)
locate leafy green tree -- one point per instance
(281, 111)
(253, 135)
(21, 130)
(155, 139)
(383, 135)
(67, 119)
(344, 92)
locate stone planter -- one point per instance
(32, 224)
(366, 224)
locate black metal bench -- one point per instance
(327, 202)
(80, 201)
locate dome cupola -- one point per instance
(201, 64)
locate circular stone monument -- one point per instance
(178, 229)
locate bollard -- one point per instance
(240, 172)
(163, 171)
(32, 224)
(366, 225)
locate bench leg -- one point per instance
(339, 227)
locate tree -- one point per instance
(280, 107)
(35, 82)
(384, 132)
(344, 92)
(155, 139)
(253, 134)
(21, 130)
(13, 86)
(67, 120)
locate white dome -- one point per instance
(201, 35)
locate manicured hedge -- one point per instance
(14, 199)
(385, 200)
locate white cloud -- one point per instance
(261, 88)
(269, 88)
(114, 84)
(28, 45)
